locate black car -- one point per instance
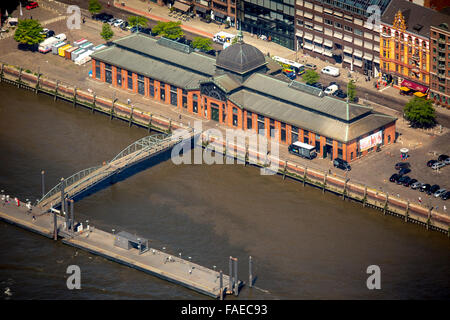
(341, 164)
(404, 171)
(333, 82)
(433, 189)
(402, 165)
(406, 181)
(402, 179)
(124, 25)
(146, 30)
(425, 187)
(410, 182)
(442, 157)
(317, 85)
(431, 162)
(394, 177)
(340, 94)
(445, 196)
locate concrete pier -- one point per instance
(157, 263)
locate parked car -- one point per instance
(406, 180)
(404, 171)
(425, 187)
(332, 71)
(437, 165)
(333, 82)
(145, 30)
(445, 196)
(394, 177)
(289, 73)
(311, 66)
(447, 161)
(439, 193)
(331, 89)
(416, 185)
(442, 157)
(124, 25)
(341, 164)
(103, 17)
(133, 29)
(317, 85)
(433, 189)
(118, 23)
(340, 94)
(431, 162)
(410, 182)
(32, 5)
(403, 179)
(111, 21)
(402, 165)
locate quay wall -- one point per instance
(341, 186)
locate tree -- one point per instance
(203, 44)
(170, 30)
(28, 33)
(94, 6)
(310, 76)
(106, 33)
(420, 113)
(136, 21)
(351, 90)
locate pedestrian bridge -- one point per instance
(85, 179)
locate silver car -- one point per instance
(416, 185)
(440, 192)
(447, 161)
(438, 165)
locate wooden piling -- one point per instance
(93, 103)
(386, 203)
(429, 219)
(324, 182)
(131, 117)
(345, 189)
(37, 83)
(111, 114)
(365, 196)
(74, 97)
(304, 176)
(56, 90)
(20, 77)
(250, 272)
(407, 211)
(284, 171)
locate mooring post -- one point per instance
(386, 203)
(72, 222)
(429, 218)
(93, 103)
(131, 117)
(365, 196)
(149, 126)
(170, 125)
(345, 189)
(43, 183)
(74, 97)
(20, 77)
(221, 284)
(1, 73)
(324, 182)
(66, 211)
(236, 281)
(246, 157)
(250, 272)
(230, 280)
(56, 90)
(407, 211)
(111, 115)
(304, 175)
(284, 171)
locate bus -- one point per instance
(289, 64)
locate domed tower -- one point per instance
(241, 60)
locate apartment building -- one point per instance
(340, 31)
(440, 62)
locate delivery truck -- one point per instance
(302, 150)
(46, 45)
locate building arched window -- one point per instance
(235, 116)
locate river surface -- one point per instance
(305, 244)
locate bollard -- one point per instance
(221, 284)
(72, 222)
(43, 183)
(230, 279)
(304, 175)
(131, 117)
(235, 279)
(250, 273)
(74, 97)
(56, 90)
(284, 171)
(324, 182)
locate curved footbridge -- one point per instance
(122, 247)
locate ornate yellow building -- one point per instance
(405, 47)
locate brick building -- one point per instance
(218, 10)
(239, 89)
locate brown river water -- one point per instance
(305, 244)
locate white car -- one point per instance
(118, 23)
(440, 192)
(332, 71)
(331, 89)
(437, 165)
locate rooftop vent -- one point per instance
(418, 27)
(305, 88)
(174, 45)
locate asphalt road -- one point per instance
(122, 14)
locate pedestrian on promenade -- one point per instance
(445, 208)
(129, 101)
(84, 20)
(34, 218)
(420, 200)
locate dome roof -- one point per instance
(240, 58)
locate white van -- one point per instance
(332, 71)
(223, 37)
(331, 89)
